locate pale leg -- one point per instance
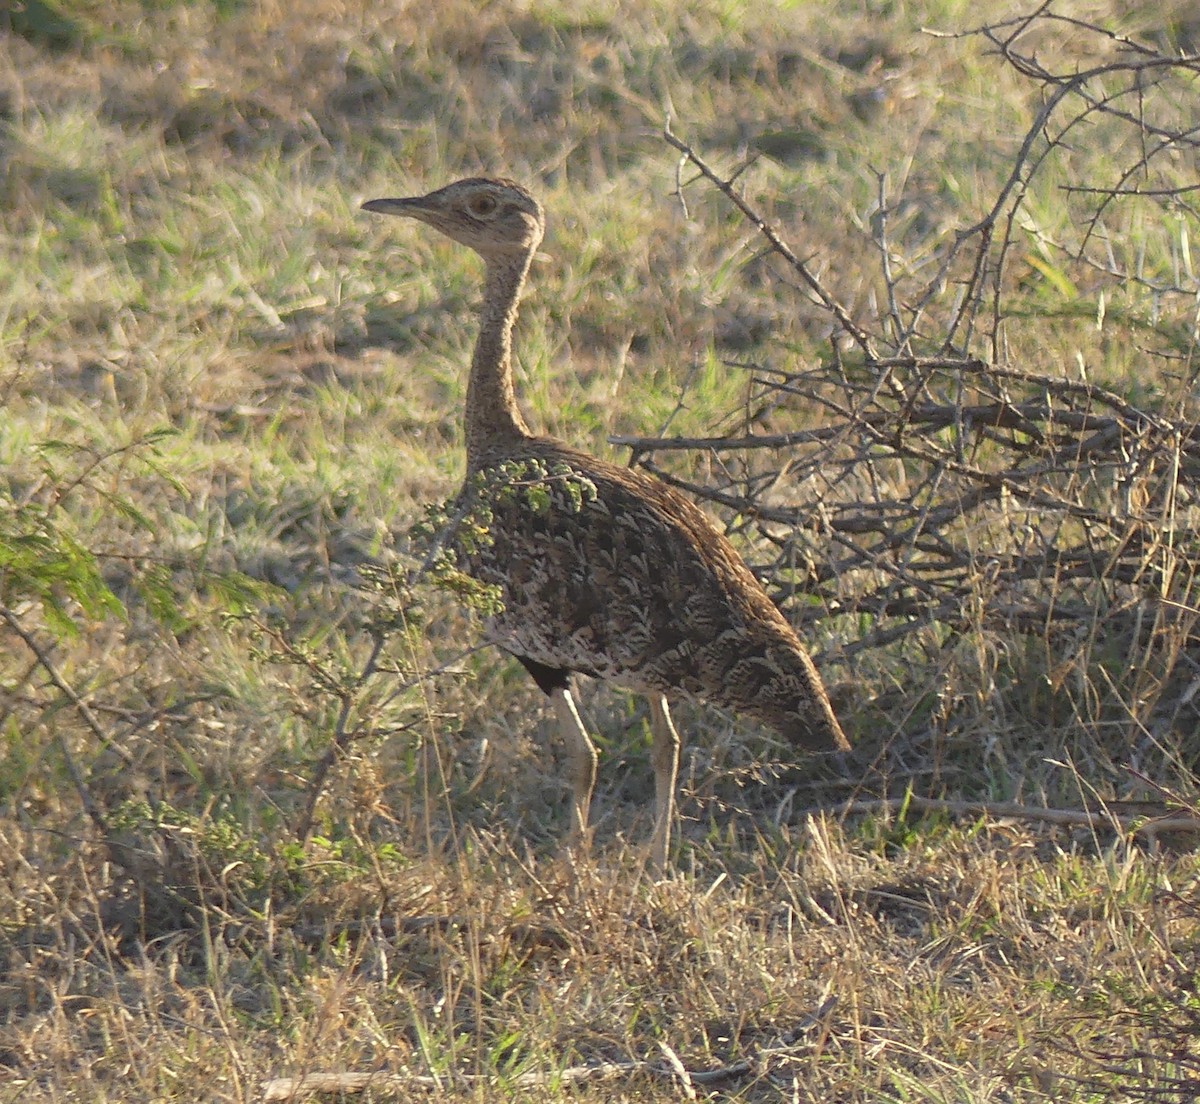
(664, 754)
(582, 754)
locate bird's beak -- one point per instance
(408, 206)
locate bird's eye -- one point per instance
(482, 205)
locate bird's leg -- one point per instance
(664, 754)
(582, 753)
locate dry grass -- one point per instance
(224, 394)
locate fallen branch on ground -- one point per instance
(1149, 823)
(288, 1088)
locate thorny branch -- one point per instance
(948, 484)
(725, 184)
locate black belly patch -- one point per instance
(548, 679)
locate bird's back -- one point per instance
(608, 571)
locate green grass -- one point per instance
(225, 392)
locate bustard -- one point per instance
(610, 572)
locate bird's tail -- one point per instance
(797, 705)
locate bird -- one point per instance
(603, 570)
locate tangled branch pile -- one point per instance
(956, 464)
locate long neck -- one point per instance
(492, 415)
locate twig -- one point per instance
(81, 707)
(341, 738)
(778, 245)
(47, 665)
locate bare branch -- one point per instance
(725, 186)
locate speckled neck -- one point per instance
(493, 420)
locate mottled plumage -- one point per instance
(605, 570)
(637, 587)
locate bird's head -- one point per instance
(497, 218)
